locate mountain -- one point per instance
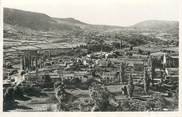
(157, 25)
(37, 21)
(32, 20)
(69, 21)
(24, 24)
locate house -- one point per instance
(109, 77)
(171, 50)
(173, 61)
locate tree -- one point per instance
(130, 86)
(8, 99)
(116, 45)
(131, 47)
(146, 80)
(102, 98)
(153, 74)
(140, 51)
(46, 81)
(123, 68)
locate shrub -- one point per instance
(32, 91)
(49, 108)
(132, 105)
(156, 103)
(8, 99)
(52, 99)
(19, 94)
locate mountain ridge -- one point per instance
(24, 23)
(159, 25)
(40, 21)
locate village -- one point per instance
(90, 56)
(131, 78)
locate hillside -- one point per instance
(69, 21)
(157, 25)
(39, 21)
(19, 24)
(35, 21)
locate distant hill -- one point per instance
(32, 20)
(157, 25)
(39, 21)
(21, 22)
(36, 21)
(69, 21)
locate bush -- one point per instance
(156, 103)
(19, 94)
(132, 105)
(8, 99)
(49, 108)
(52, 99)
(46, 82)
(32, 91)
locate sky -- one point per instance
(108, 12)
